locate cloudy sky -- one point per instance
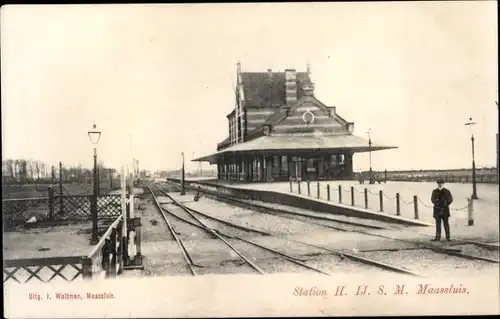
(157, 79)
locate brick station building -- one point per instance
(279, 131)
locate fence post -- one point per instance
(366, 198)
(298, 185)
(340, 194)
(318, 189)
(51, 203)
(328, 192)
(470, 211)
(112, 268)
(291, 189)
(110, 179)
(415, 204)
(352, 195)
(105, 257)
(398, 208)
(381, 200)
(128, 206)
(86, 268)
(60, 189)
(124, 251)
(138, 252)
(308, 188)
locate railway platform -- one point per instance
(347, 240)
(485, 216)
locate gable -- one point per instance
(321, 117)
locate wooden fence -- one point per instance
(18, 212)
(118, 249)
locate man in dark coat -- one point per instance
(442, 199)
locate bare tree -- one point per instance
(37, 171)
(23, 170)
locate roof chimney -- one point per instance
(238, 67)
(291, 86)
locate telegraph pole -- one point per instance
(183, 191)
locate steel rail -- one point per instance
(292, 259)
(185, 253)
(227, 235)
(336, 252)
(419, 244)
(208, 229)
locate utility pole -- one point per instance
(183, 191)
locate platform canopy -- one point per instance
(278, 144)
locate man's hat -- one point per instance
(440, 181)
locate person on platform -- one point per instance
(442, 199)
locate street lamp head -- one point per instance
(470, 125)
(94, 135)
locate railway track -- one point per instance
(199, 224)
(353, 227)
(340, 254)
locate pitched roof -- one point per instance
(300, 142)
(264, 89)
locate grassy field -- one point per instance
(41, 190)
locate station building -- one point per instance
(279, 131)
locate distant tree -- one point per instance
(23, 171)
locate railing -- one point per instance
(17, 212)
(366, 198)
(483, 175)
(109, 258)
(108, 255)
(46, 270)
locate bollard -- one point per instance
(298, 186)
(308, 188)
(318, 189)
(470, 211)
(398, 210)
(340, 194)
(381, 200)
(366, 198)
(352, 195)
(415, 205)
(328, 192)
(291, 190)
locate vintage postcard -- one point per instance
(250, 160)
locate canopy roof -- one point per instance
(297, 143)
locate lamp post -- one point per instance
(183, 191)
(474, 190)
(370, 152)
(94, 136)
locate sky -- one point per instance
(158, 79)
